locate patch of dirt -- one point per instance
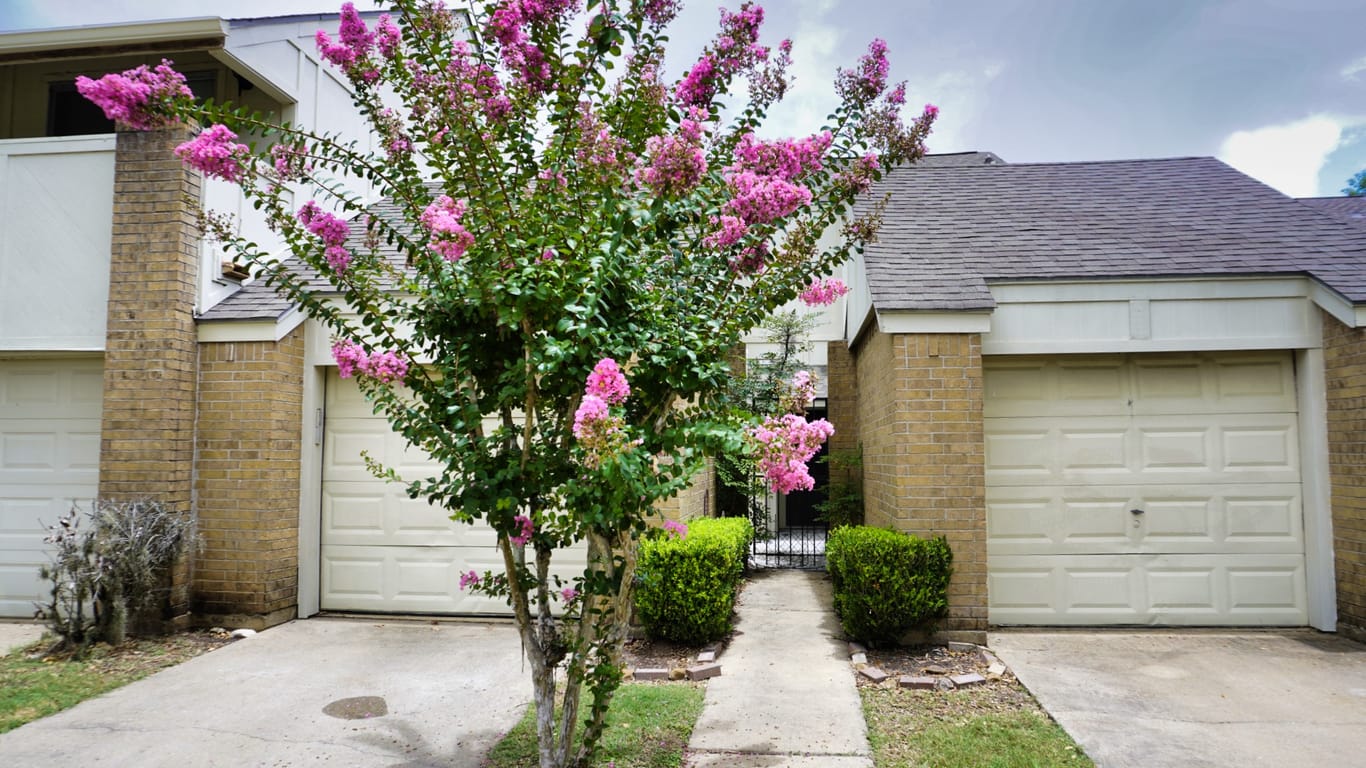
(997, 694)
(140, 656)
(645, 653)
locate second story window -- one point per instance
(70, 114)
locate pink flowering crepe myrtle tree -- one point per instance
(580, 240)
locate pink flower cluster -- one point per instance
(675, 530)
(352, 359)
(524, 534)
(860, 176)
(289, 160)
(216, 153)
(785, 158)
(331, 230)
(137, 98)
(599, 432)
(823, 292)
(659, 12)
(568, 594)
(737, 45)
(760, 199)
(508, 25)
(608, 382)
(598, 148)
(469, 579)
(449, 236)
(477, 80)
(784, 446)
(763, 182)
(590, 417)
(351, 53)
(800, 394)
(736, 49)
(677, 163)
(698, 86)
(862, 85)
(728, 231)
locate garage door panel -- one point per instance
(1253, 448)
(385, 552)
(1091, 519)
(394, 579)
(1254, 382)
(375, 514)
(49, 457)
(1178, 590)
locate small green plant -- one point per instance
(886, 582)
(110, 572)
(687, 584)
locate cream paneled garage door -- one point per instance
(382, 551)
(1144, 489)
(49, 457)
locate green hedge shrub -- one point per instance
(686, 586)
(887, 582)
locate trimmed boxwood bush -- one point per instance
(686, 586)
(886, 582)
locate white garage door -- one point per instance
(382, 551)
(1144, 489)
(49, 456)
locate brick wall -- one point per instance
(1344, 354)
(694, 501)
(842, 408)
(919, 412)
(147, 429)
(247, 481)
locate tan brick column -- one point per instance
(920, 421)
(147, 430)
(842, 406)
(247, 481)
(1344, 359)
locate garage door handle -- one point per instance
(1135, 511)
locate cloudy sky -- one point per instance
(1276, 88)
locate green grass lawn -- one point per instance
(31, 688)
(968, 728)
(648, 726)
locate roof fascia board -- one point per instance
(112, 35)
(218, 331)
(1058, 291)
(951, 321)
(1335, 304)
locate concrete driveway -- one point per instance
(450, 690)
(1199, 699)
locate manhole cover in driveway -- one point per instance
(357, 708)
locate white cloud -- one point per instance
(960, 96)
(814, 60)
(1289, 156)
(1351, 71)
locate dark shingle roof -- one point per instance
(948, 231)
(1348, 209)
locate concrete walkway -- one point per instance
(449, 692)
(1199, 699)
(786, 696)
(17, 634)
